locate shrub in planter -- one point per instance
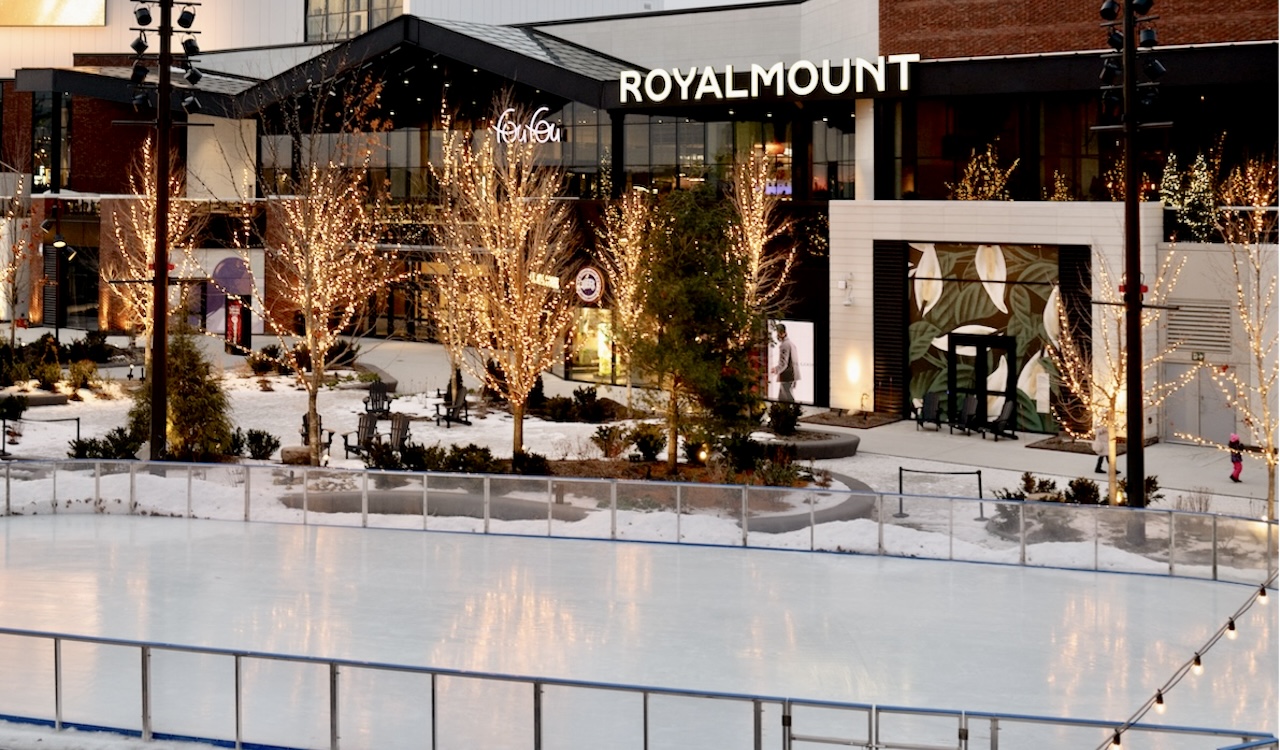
(587, 405)
(117, 444)
(649, 439)
(612, 440)
(47, 375)
(783, 417)
(743, 452)
(82, 374)
(777, 473)
(1082, 491)
(530, 464)
(1151, 485)
(261, 444)
(381, 456)
(471, 459)
(416, 457)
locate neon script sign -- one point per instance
(537, 130)
(801, 79)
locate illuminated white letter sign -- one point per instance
(802, 78)
(537, 130)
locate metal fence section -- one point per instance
(1030, 533)
(240, 699)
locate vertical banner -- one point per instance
(238, 331)
(791, 361)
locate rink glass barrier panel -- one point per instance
(1030, 533)
(256, 699)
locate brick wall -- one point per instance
(16, 147)
(979, 28)
(101, 152)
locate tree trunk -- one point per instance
(1271, 491)
(673, 427)
(517, 429)
(1113, 487)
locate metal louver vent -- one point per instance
(1200, 326)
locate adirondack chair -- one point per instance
(455, 410)
(306, 434)
(358, 440)
(929, 412)
(1005, 424)
(968, 413)
(399, 434)
(378, 402)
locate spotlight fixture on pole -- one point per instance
(1125, 98)
(164, 125)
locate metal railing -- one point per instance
(339, 703)
(1028, 533)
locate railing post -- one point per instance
(551, 498)
(1097, 512)
(55, 488)
(133, 485)
(333, 705)
(247, 475)
(1214, 547)
(1022, 533)
(758, 722)
(951, 530)
(486, 504)
(537, 716)
(645, 719)
(424, 501)
(364, 501)
(678, 514)
(879, 524)
(744, 515)
(239, 701)
(813, 524)
(97, 483)
(146, 693)
(1173, 518)
(995, 734)
(613, 509)
(786, 725)
(434, 713)
(57, 683)
(191, 470)
(7, 509)
(306, 495)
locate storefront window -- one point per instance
(591, 357)
(50, 141)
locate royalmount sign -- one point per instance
(800, 79)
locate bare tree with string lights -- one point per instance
(624, 252)
(1091, 364)
(507, 243)
(128, 265)
(1247, 223)
(21, 246)
(757, 224)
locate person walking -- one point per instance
(1237, 456)
(1101, 438)
(787, 369)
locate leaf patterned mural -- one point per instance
(984, 289)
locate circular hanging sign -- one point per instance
(590, 285)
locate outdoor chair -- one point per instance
(1005, 424)
(378, 402)
(965, 419)
(359, 440)
(399, 434)
(455, 410)
(930, 412)
(306, 433)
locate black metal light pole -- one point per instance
(160, 258)
(1133, 98)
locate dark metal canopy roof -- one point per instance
(424, 54)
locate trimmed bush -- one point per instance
(649, 439)
(471, 459)
(587, 406)
(82, 374)
(259, 363)
(117, 444)
(784, 417)
(1082, 491)
(261, 444)
(743, 452)
(47, 375)
(612, 440)
(12, 408)
(530, 464)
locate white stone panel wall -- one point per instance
(220, 158)
(855, 225)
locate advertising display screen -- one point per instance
(53, 12)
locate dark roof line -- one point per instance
(660, 13)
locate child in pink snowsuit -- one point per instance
(1237, 456)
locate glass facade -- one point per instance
(50, 141)
(335, 20)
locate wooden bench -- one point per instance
(378, 402)
(455, 410)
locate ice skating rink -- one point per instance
(804, 625)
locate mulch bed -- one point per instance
(856, 419)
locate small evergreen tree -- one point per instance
(199, 425)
